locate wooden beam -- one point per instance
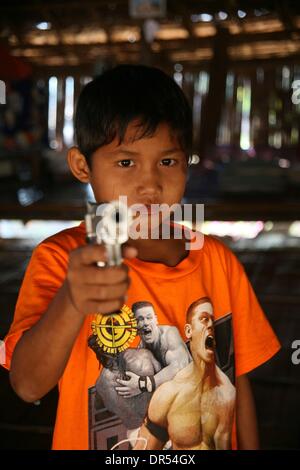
(175, 44)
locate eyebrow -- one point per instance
(131, 153)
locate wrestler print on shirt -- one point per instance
(167, 392)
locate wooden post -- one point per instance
(213, 105)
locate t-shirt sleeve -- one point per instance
(254, 339)
(44, 276)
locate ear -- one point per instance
(78, 165)
(188, 330)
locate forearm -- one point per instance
(146, 441)
(165, 374)
(41, 354)
(223, 441)
(247, 430)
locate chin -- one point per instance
(149, 341)
(146, 340)
(209, 359)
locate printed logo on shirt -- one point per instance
(168, 392)
(114, 333)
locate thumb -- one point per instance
(129, 251)
(130, 374)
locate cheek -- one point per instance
(106, 186)
(199, 330)
(175, 185)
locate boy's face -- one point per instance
(151, 170)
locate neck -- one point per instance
(204, 372)
(169, 252)
(153, 345)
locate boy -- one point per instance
(134, 135)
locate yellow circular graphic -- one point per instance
(116, 331)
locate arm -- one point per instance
(41, 354)
(246, 423)
(157, 418)
(177, 357)
(225, 406)
(147, 441)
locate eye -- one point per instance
(125, 163)
(168, 162)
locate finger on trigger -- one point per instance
(92, 253)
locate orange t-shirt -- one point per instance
(91, 413)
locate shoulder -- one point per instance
(163, 396)
(215, 246)
(225, 382)
(63, 242)
(225, 395)
(210, 246)
(67, 239)
(220, 254)
(52, 254)
(170, 332)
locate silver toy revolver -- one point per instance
(108, 224)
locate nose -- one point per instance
(149, 185)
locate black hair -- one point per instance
(108, 104)
(137, 305)
(190, 312)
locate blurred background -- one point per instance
(239, 64)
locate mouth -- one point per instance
(149, 208)
(152, 209)
(147, 332)
(210, 343)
